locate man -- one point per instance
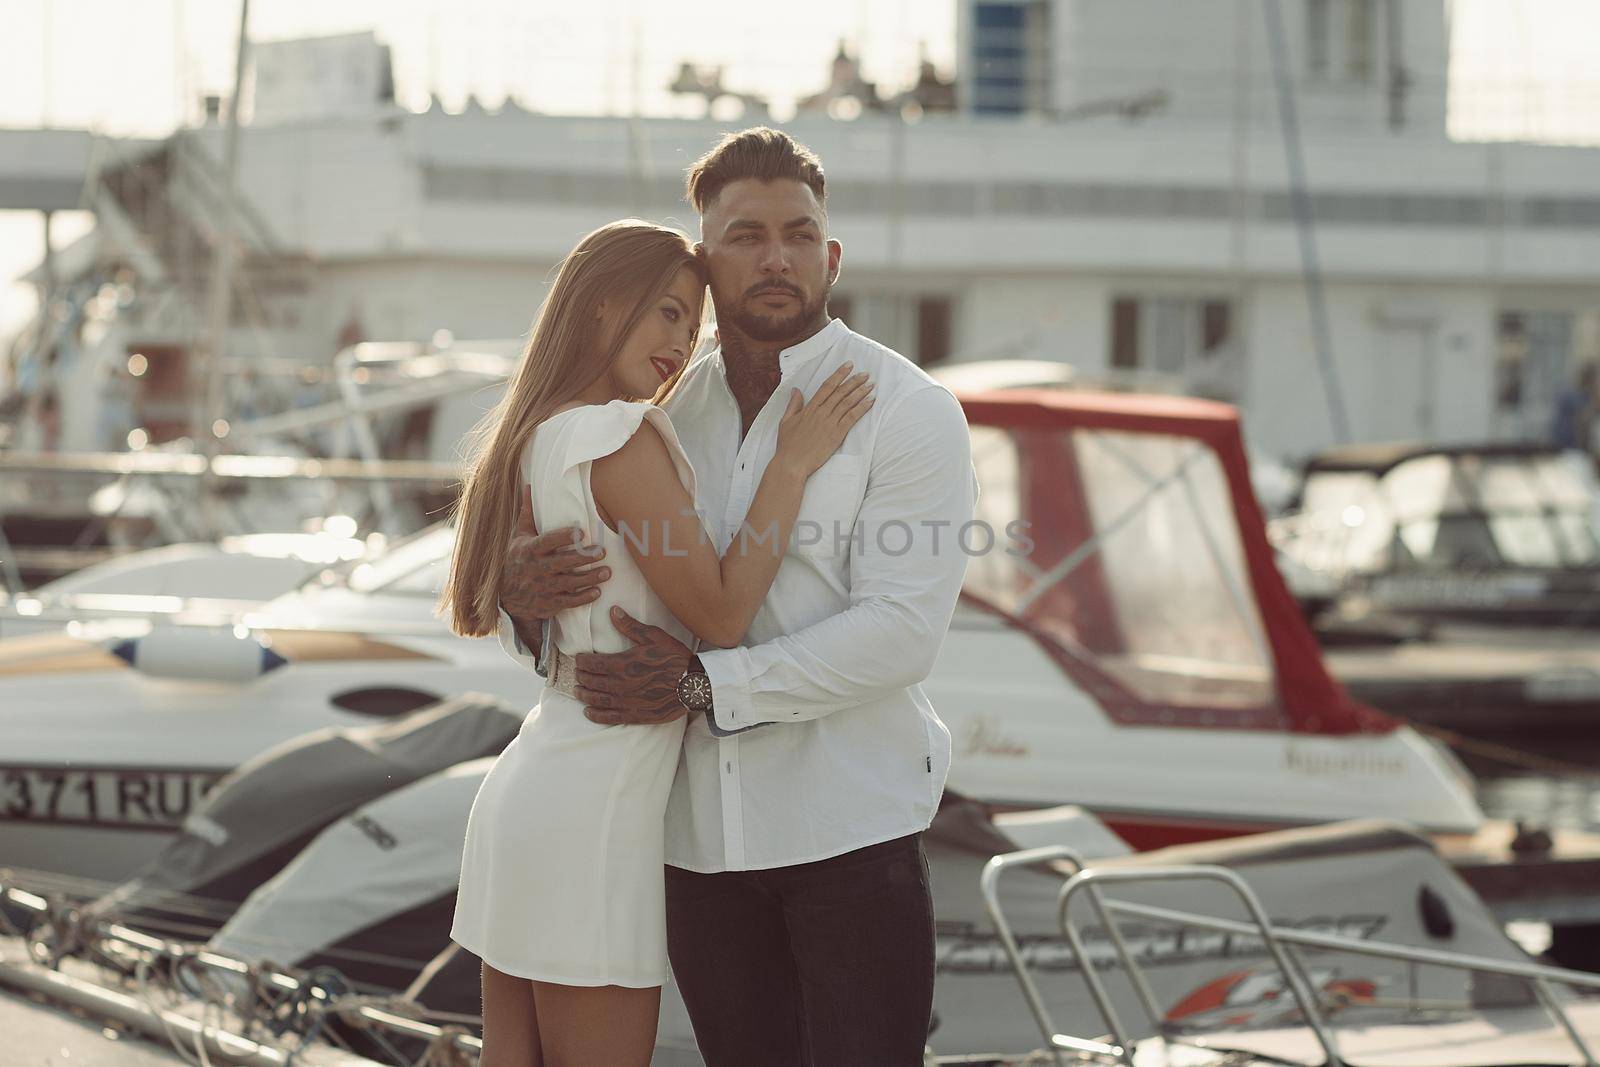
(1576, 403)
(800, 924)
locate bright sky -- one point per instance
(143, 59)
(1523, 68)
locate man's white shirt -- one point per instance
(835, 658)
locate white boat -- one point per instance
(1143, 661)
(217, 579)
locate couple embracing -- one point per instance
(733, 760)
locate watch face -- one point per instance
(694, 690)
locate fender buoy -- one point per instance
(199, 655)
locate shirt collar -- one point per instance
(806, 350)
(813, 346)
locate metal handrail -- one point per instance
(988, 886)
(1276, 939)
(1539, 975)
(1293, 976)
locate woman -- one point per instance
(561, 877)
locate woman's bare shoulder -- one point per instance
(643, 452)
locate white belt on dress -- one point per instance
(562, 673)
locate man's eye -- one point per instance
(744, 238)
(802, 236)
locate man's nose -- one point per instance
(776, 259)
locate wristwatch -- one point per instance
(694, 688)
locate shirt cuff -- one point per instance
(511, 642)
(728, 670)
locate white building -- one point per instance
(1462, 281)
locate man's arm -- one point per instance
(920, 494)
(544, 574)
(900, 602)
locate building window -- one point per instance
(1186, 342)
(1009, 58)
(933, 330)
(839, 307)
(918, 326)
(1358, 40)
(1539, 354)
(1317, 16)
(1125, 333)
(1340, 39)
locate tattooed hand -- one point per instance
(636, 686)
(547, 574)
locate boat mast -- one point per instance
(208, 399)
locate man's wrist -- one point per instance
(529, 631)
(700, 697)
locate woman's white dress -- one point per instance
(561, 876)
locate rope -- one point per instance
(299, 1011)
(1511, 757)
(445, 1050)
(348, 1008)
(258, 995)
(146, 994)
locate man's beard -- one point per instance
(759, 326)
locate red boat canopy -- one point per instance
(1142, 562)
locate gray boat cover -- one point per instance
(370, 889)
(262, 814)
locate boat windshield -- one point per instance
(413, 567)
(1458, 512)
(1127, 555)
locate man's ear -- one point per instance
(835, 256)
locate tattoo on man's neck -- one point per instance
(753, 375)
(752, 366)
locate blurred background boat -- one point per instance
(204, 579)
(1468, 578)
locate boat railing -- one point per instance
(60, 930)
(1281, 945)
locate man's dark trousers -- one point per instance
(825, 964)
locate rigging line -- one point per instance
(1304, 224)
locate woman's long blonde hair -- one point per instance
(629, 265)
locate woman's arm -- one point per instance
(639, 494)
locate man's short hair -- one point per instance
(761, 153)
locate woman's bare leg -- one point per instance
(597, 1026)
(510, 1022)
